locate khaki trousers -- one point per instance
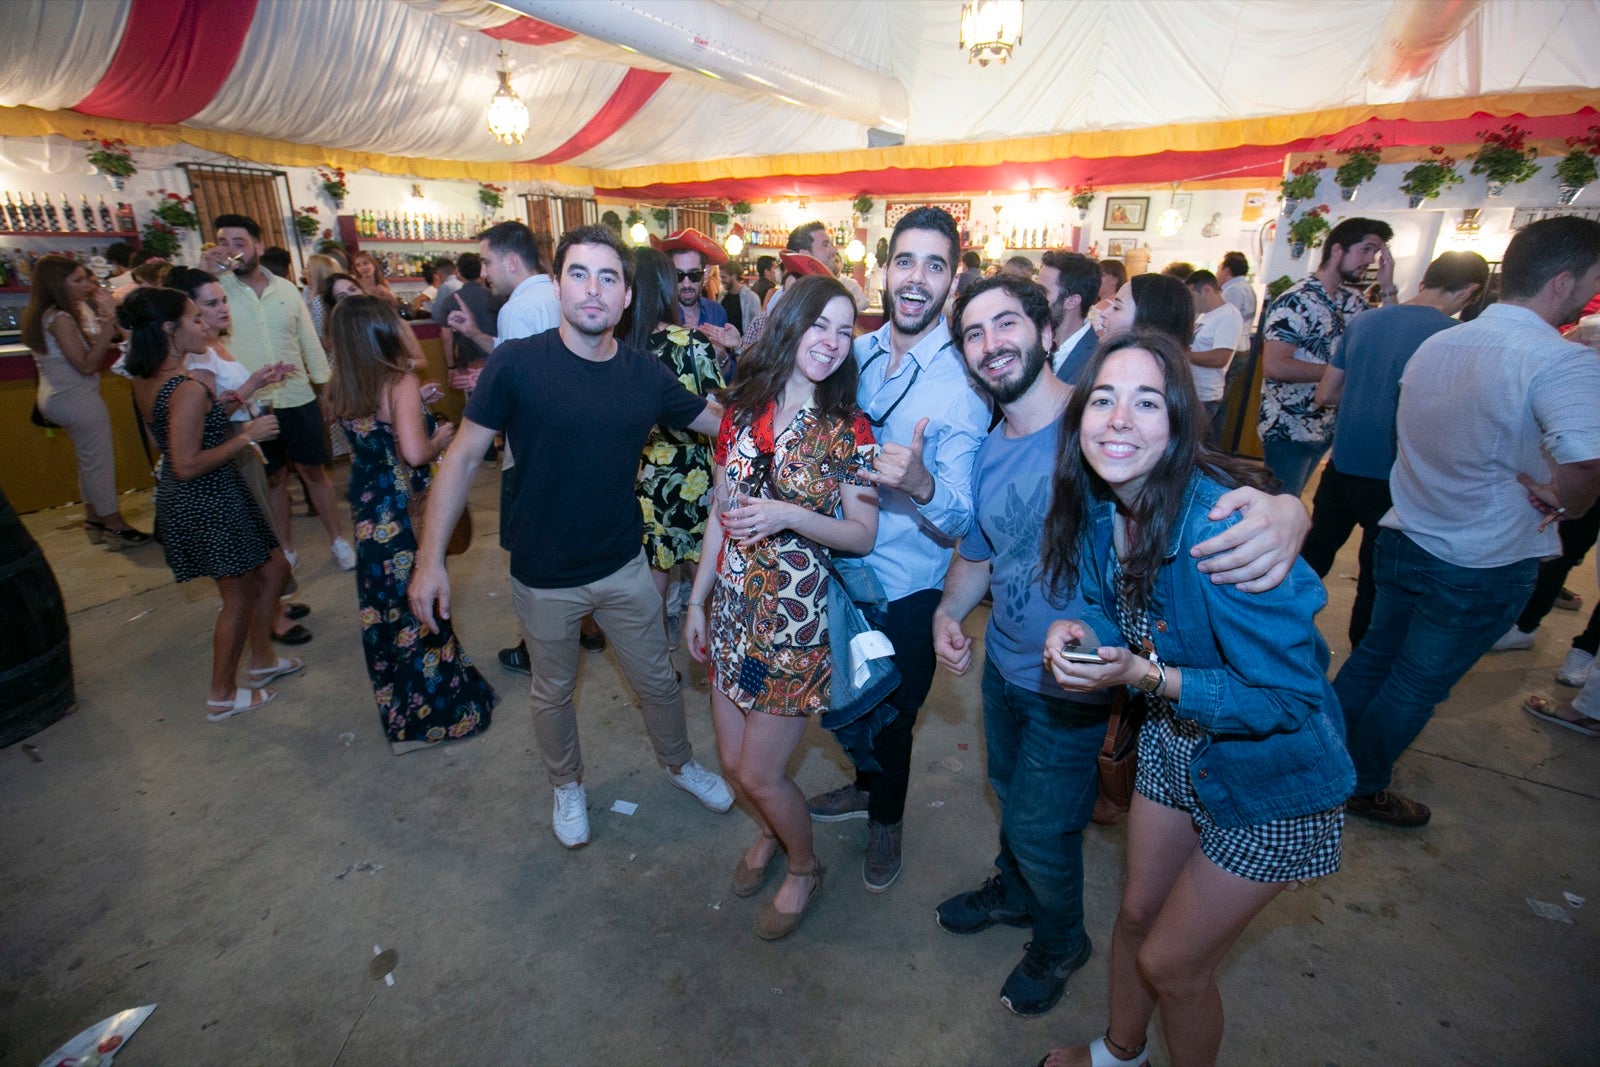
(627, 606)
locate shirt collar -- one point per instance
(1065, 348)
(531, 281)
(923, 352)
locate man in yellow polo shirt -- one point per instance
(271, 324)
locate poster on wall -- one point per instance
(1117, 247)
(1255, 205)
(894, 210)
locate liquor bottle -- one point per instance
(9, 218)
(125, 220)
(35, 213)
(86, 214)
(69, 217)
(106, 225)
(52, 220)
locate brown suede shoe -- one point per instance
(775, 924)
(748, 880)
(1387, 806)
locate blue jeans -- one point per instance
(1041, 754)
(1292, 462)
(1431, 622)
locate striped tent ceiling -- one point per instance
(410, 78)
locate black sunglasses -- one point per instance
(696, 275)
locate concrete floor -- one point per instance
(151, 857)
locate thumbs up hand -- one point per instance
(901, 467)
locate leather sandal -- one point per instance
(748, 880)
(1549, 710)
(116, 539)
(243, 700)
(775, 924)
(286, 665)
(1100, 1055)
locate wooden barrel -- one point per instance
(35, 650)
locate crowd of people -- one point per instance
(1045, 440)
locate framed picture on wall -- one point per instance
(1117, 247)
(1126, 212)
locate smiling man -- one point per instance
(577, 406)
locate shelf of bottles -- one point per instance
(412, 228)
(32, 223)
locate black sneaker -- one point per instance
(1387, 806)
(516, 659)
(967, 913)
(593, 642)
(1037, 982)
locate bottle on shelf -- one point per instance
(11, 220)
(52, 220)
(69, 217)
(106, 224)
(86, 213)
(125, 220)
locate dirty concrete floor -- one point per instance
(151, 857)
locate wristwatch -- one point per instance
(1151, 682)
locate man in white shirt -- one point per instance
(1217, 329)
(1072, 284)
(1233, 273)
(814, 240)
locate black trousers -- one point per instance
(910, 627)
(1577, 537)
(1343, 502)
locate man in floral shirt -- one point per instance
(1302, 326)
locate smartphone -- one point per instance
(1074, 655)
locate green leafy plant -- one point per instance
(1428, 179)
(862, 205)
(634, 216)
(719, 218)
(160, 239)
(306, 223)
(174, 210)
(1360, 163)
(1309, 228)
(1276, 286)
(662, 215)
(1082, 197)
(112, 157)
(491, 196)
(1505, 158)
(740, 207)
(331, 182)
(1577, 168)
(1303, 179)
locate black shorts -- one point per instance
(301, 438)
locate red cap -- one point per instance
(690, 240)
(803, 263)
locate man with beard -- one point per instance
(577, 407)
(1041, 742)
(271, 324)
(692, 252)
(1072, 284)
(1490, 412)
(921, 405)
(1301, 328)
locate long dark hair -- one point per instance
(144, 314)
(326, 293)
(765, 369)
(1152, 517)
(49, 291)
(1162, 302)
(366, 352)
(189, 280)
(652, 296)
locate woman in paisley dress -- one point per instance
(426, 688)
(788, 457)
(675, 475)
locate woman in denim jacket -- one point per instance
(1242, 767)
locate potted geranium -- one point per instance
(174, 210)
(113, 160)
(330, 181)
(1302, 182)
(1577, 168)
(160, 239)
(1360, 165)
(1428, 179)
(1082, 196)
(740, 207)
(1307, 230)
(306, 223)
(862, 205)
(491, 196)
(1505, 158)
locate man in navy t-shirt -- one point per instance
(577, 406)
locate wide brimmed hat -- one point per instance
(690, 240)
(802, 263)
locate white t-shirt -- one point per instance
(1221, 327)
(227, 373)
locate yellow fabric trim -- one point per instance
(1102, 144)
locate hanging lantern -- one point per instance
(639, 232)
(990, 29)
(507, 115)
(734, 243)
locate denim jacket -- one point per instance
(1254, 671)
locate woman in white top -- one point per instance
(69, 325)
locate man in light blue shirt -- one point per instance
(929, 420)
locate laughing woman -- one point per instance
(788, 456)
(1242, 767)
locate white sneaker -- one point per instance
(706, 787)
(570, 819)
(343, 554)
(1575, 668)
(1513, 641)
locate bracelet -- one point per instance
(701, 604)
(1154, 679)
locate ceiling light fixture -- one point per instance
(990, 29)
(1171, 220)
(507, 114)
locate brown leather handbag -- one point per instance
(1118, 759)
